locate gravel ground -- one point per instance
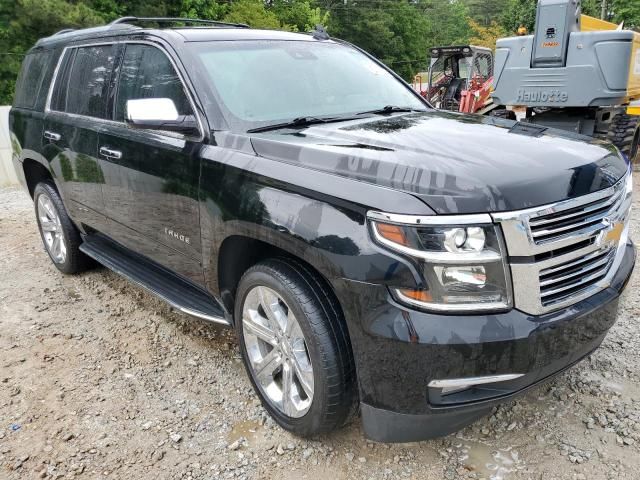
(99, 379)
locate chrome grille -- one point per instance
(573, 277)
(551, 227)
(566, 252)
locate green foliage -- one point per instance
(24, 21)
(209, 9)
(253, 13)
(627, 11)
(591, 7)
(485, 12)
(485, 36)
(300, 16)
(399, 32)
(519, 13)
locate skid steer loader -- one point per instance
(575, 72)
(459, 78)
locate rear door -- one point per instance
(76, 110)
(152, 194)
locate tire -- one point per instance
(303, 294)
(51, 214)
(624, 133)
(504, 113)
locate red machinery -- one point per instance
(459, 79)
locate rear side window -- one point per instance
(83, 82)
(147, 72)
(34, 68)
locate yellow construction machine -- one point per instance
(575, 72)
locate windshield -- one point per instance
(267, 82)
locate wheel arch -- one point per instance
(238, 253)
(34, 173)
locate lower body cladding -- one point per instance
(424, 375)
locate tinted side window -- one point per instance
(148, 73)
(30, 79)
(61, 82)
(88, 82)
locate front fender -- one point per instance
(257, 198)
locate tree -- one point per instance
(30, 20)
(253, 13)
(209, 9)
(627, 11)
(519, 13)
(300, 15)
(399, 32)
(485, 12)
(485, 36)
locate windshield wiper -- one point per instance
(298, 123)
(390, 109)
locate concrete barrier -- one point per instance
(7, 173)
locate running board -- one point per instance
(167, 286)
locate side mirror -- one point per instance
(159, 114)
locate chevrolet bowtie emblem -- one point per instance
(615, 233)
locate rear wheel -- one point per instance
(624, 133)
(60, 236)
(295, 347)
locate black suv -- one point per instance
(369, 251)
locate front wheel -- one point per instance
(295, 347)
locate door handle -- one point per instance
(53, 136)
(108, 153)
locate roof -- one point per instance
(66, 36)
(188, 34)
(201, 34)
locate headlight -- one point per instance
(464, 264)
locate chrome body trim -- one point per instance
(453, 307)
(400, 219)
(589, 266)
(144, 109)
(517, 229)
(194, 313)
(471, 381)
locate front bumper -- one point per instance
(399, 351)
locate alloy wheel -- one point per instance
(277, 352)
(51, 229)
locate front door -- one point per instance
(151, 192)
(77, 108)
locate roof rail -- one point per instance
(64, 30)
(177, 20)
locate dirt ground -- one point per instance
(99, 379)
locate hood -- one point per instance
(455, 163)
